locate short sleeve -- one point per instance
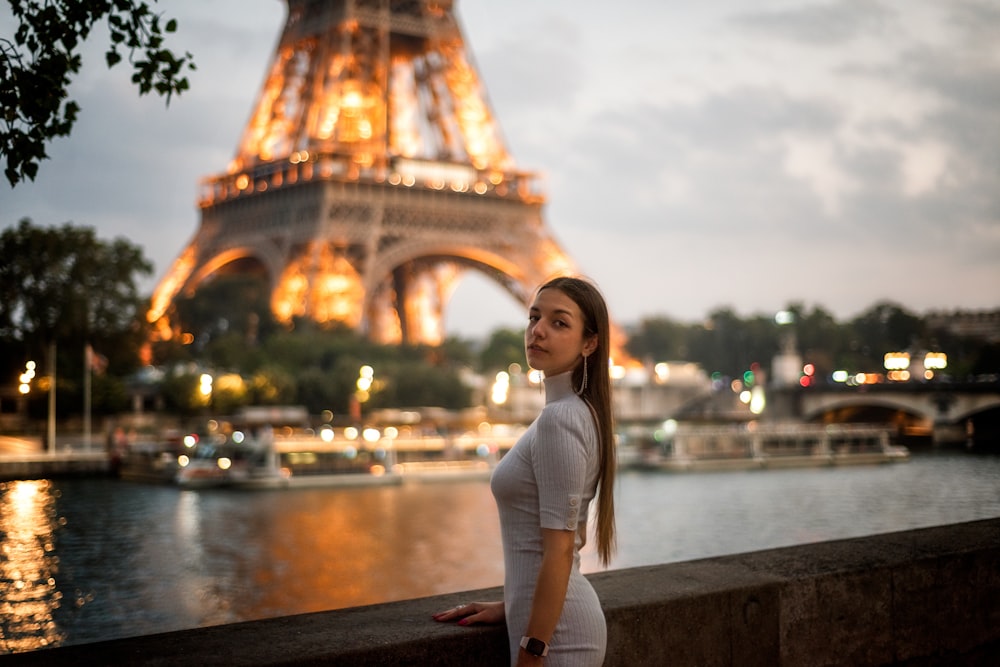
(565, 444)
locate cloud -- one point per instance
(819, 25)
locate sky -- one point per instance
(695, 156)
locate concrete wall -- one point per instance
(918, 598)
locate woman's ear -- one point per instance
(590, 345)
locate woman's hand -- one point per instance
(472, 613)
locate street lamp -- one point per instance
(26, 377)
(501, 388)
(205, 389)
(366, 378)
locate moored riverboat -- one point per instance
(275, 458)
(752, 445)
(169, 462)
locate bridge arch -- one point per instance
(815, 411)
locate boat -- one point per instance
(150, 462)
(754, 445)
(171, 462)
(242, 454)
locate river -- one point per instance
(86, 560)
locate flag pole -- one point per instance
(88, 363)
(52, 398)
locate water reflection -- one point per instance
(28, 567)
(314, 550)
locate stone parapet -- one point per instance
(916, 598)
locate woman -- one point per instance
(544, 486)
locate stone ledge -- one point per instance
(916, 598)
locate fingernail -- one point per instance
(464, 621)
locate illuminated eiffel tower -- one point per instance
(370, 176)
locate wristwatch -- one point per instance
(534, 646)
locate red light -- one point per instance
(805, 380)
(809, 369)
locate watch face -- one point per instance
(535, 646)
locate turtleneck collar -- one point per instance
(558, 386)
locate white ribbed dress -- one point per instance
(547, 480)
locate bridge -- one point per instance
(948, 411)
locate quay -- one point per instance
(22, 458)
(916, 598)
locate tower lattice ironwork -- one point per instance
(370, 176)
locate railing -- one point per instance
(304, 166)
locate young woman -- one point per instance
(544, 485)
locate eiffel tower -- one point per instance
(371, 175)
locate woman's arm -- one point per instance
(550, 588)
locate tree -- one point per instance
(65, 284)
(658, 339)
(885, 327)
(37, 66)
(505, 347)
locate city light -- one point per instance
(662, 372)
(897, 361)
(784, 317)
(205, 385)
(26, 377)
(366, 378)
(935, 361)
(501, 388)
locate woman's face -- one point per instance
(554, 341)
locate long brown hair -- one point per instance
(597, 393)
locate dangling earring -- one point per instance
(583, 384)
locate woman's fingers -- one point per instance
(461, 611)
(475, 612)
